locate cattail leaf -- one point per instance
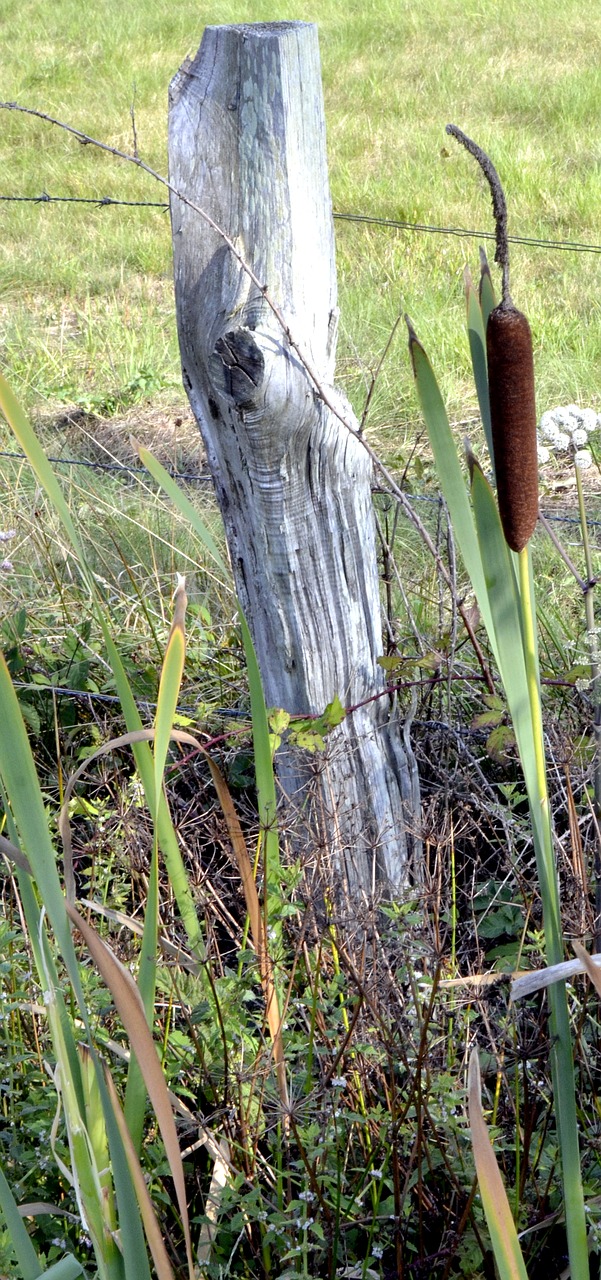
(27, 1259)
(31, 446)
(451, 476)
(501, 585)
(503, 1235)
(507, 619)
(486, 290)
(152, 1229)
(22, 788)
(67, 1269)
(476, 330)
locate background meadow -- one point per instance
(378, 1178)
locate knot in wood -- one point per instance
(237, 367)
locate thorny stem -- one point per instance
(86, 140)
(499, 204)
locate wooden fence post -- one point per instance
(247, 145)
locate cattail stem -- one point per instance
(499, 204)
(562, 1062)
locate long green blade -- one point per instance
(487, 294)
(266, 792)
(67, 1269)
(183, 504)
(22, 788)
(503, 1235)
(27, 1258)
(452, 479)
(477, 340)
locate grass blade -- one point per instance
(264, 773)
(144, 763)
(169, 687)
(153, 1231)
(183, 504)
(133, 1016)
(257, 926)
(503, 1235)
(27, 1258)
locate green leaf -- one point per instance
(67, 1269)
(486, 291)
(266, 792)
(27, 1258)
(451, 477)
(477, 340)
(334, 713)
(183, 505)
(503, 1235)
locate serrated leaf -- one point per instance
(334, 713)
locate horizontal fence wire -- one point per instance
(192, 477)
(393, 224)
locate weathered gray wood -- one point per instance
(247, 144)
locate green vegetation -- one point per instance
(77, 282)
(318, 1082)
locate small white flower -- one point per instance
(376, 1251)
(6, 537)
(543, 453)
(588, 420)
(548, 427)
(338, 1082)
(583, 459)
(579, 437)
(307, 1196)
(561, 442)
(6, 566)
(376, 1173)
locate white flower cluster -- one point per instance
(567, 430)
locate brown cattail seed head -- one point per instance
(513, 421)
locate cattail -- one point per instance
(513, 421)
(510, 385)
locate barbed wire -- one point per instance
(394, 224)
(192, 477)
(189, 476)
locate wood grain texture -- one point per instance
(247, 144)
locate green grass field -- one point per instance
(86, 300)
